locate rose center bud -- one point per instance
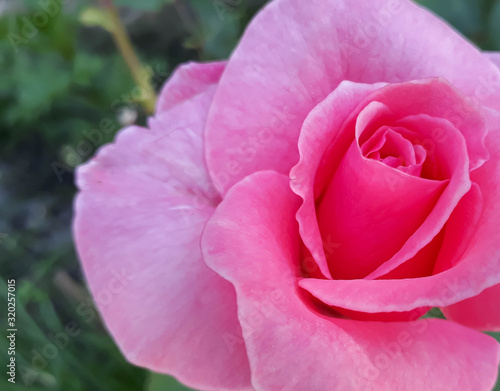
(383, 190)
(394, 150)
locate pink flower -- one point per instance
(290, 214)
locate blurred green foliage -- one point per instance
(478, 20)
(60, 80)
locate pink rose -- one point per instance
(290, 214)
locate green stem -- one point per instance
(139, 73)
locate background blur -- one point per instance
(61, 75)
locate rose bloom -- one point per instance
(289, 215)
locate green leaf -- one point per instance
(85, 67)
(159, 382)
(497, 337)
(434, 313)
(38, 85)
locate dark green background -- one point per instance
(60, 84)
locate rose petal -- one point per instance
(293, 347)
(321, 135)
(388, 140)
(395, 293)
(450, 156)
(142, 206)
(377, 206)
(479, 312)
(459, 230)
(482, 311)
(392, 144)
(295, 53)
(187, 81)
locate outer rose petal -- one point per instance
(143, 203)
(482, 312)
(293, 347)
(187, 81)
(296, 52)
